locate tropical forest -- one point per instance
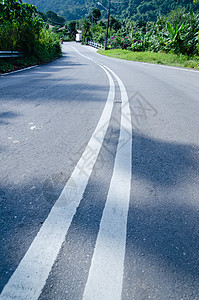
(135, 27)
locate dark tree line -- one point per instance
(137, 10)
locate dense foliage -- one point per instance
(21, 29)
(177, 33)
(52, 18)
(137, 10)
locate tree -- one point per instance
(21, 29)
(96, 13)
(54, 19)
(86, 29)
(72, 29)
(114, 24)
(42, 16)
(18, 26)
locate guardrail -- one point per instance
(96, 45)
(5, 54)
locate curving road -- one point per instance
(99, 173)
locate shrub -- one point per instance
(178, 33)
(48, 46)
(22, 30)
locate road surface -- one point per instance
(99, 173)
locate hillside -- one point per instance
(135, 9)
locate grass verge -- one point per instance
(155, 58)
(12, 64)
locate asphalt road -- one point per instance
(99, 180)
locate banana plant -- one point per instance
(175, 31)
(176, 39)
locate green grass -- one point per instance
(155, 58)
(13, 64)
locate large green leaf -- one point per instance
(170, 29)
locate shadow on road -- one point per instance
(162, 243)
(163, 227)
(163, 163)
(62, 80)
(163, 230)
(6, 116)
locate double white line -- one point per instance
(106, 272)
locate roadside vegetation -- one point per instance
(176, 33)
(168, 38)
(23, 30)
(168, 59)
(135, 10)
(171, 40)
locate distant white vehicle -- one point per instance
(78, 36)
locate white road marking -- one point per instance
(167, 67)
(141, 62)
(90, 48)
(29, 278)
(106, 273)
